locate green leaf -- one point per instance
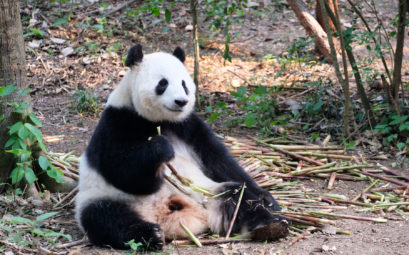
(24, 155)
(8, 229)
(241, 91)
(214, 116)
(35, 131)
(46, 216)
(43, 162)
(60, 21)
(50, 233)
(34, 119)
(401, 146)
(318, 106)
(14, 128)
(38, 232)
(168, 15)
(157, 21)
(55, 174)
(208, 109)
(11, 141)
(250, 120)
(7, 90)
(38, 32)
(23, 132)
(398, 119)
(16, 175)
(1, 117)
(99, 27)
(261, 90)
(30, 176)
(390, 138)
(314, 136)
(19, 220)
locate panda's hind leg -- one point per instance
(254, 216)
(114, 223)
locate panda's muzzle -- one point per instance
(178, 105)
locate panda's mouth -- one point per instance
(174, 110)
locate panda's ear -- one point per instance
(180, 54)
(135, 56)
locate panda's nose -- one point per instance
(180, 102)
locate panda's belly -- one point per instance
(187, 164)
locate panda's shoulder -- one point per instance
(119, 124)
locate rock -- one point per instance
(57, 40)
(34, 44)
(189, 27)
(37, 202)
(67, 51)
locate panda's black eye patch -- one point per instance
(184, 87)
(161, 87)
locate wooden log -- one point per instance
(312, 27)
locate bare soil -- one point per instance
(54, 78)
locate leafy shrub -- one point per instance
(84, 101)
(25, 135)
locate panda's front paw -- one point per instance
(156, 239)
(163, 148)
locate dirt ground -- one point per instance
(54, 78)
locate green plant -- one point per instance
(84, 101)
(135, 247)
(37, 33)
(221, 15)
(256, 108)
(25, 138)
(18, 227)
(395, 128)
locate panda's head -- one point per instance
(160, 86)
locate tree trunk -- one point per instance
(312, 27)
(12, 71)
(193, 10)
(320, 20)
(397, 67)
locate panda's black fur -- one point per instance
(129, 157)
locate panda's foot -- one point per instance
(115, 223)
(153, 238)
(270, 232)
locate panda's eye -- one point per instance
(161, 87)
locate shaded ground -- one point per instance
(54, 78)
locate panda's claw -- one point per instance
(156, 240)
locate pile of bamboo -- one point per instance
(280, 165)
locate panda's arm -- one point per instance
(218, 163)
(125, 158)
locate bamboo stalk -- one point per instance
(291, 154)
(307, 170)
(235, 212)
(332, 180)
(208, 242)
(352, 217)
(377, 176)
(190, 234)
(339, 169)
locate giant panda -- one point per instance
(123, 194)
